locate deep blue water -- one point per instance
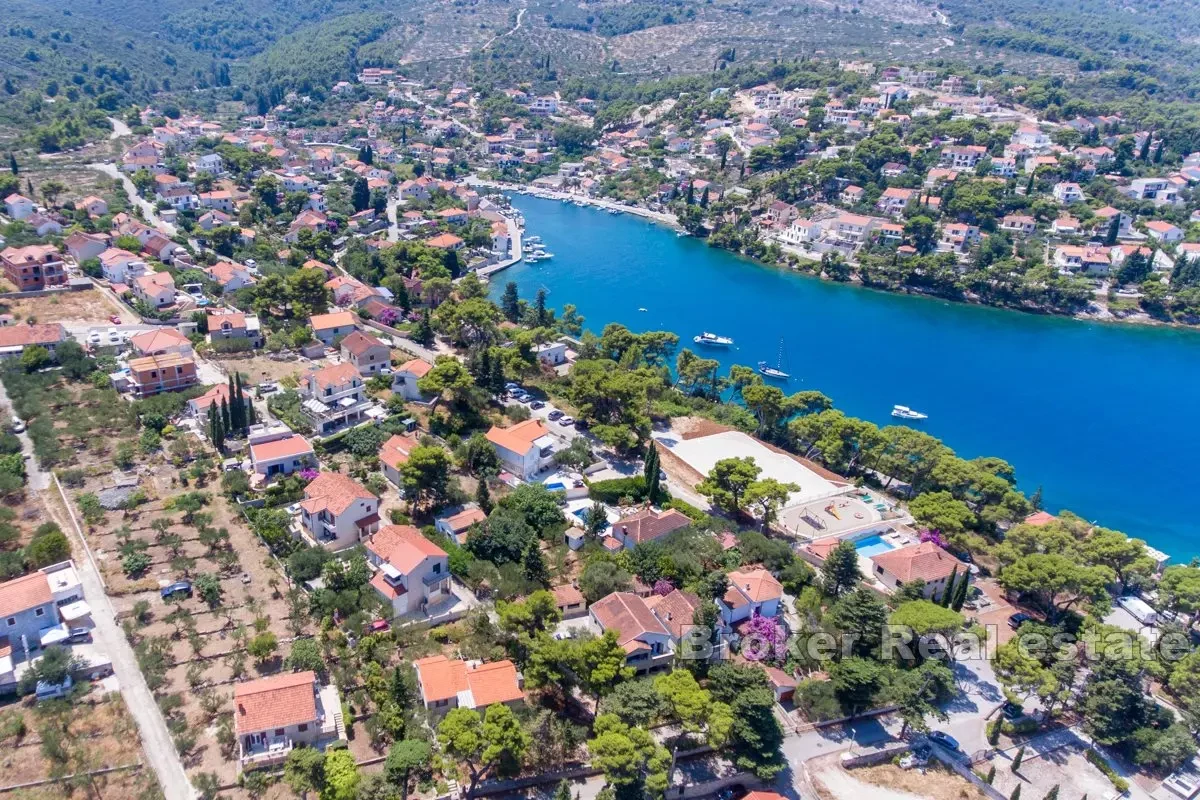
(1102, 417)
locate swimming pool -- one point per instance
(872, 546)
(583, 514)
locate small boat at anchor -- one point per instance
(713, 340)
(776, 372)
(904, 412)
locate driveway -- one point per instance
(108, 636)
(35, 477)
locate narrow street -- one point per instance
(131, 191)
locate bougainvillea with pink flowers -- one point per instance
(308, 474)
(662, 586)
(388, 316)
(935, 536)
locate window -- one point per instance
(40, 612)
(12, 621)
(279, 731)
(437, 569)
(302, 727)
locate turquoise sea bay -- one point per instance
(1102, 416)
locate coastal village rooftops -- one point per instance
(403, 547)
(1040, 518)
(24, 593)
(925, 561)
(518, 438)
(275, 702)
(338, 319)
(675, 610)
(287, 447)
(444, 241)
(333, 492)
(629, 616)
(475, 685)
(465, 519)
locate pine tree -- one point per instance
(483, 368)
(948, 592)
(543, 318)
(510, 303)
(1016, 763)
(483, 497)
(423, 333)
(360, 196)
(497, 378)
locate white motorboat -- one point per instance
(531, 259)
(904, 412)
(713, 340)
(544, 254)
(776, 372)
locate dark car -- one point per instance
(944, 739)
(1018, 619)
(1012, 711)
(179, 589)
(555, 414)
(536, 404)
(581, 424)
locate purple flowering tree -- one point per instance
(663, 587)
(308, 474)
(764, 640)
(388, 316)
(935, 536)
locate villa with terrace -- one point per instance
(274, 715)
(334, 397)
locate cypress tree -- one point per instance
(1052, 794)
(1016, 793)
(960, 595)
(12, 164)
(483, 497)
(1029, 184)
(212, 424)
(497, 378)
(650, 474)
(1144, 153)
(1114, 228)
(991, 775)
(1158, 154)
(250, 412)
(691, 193)
(233, 405)
(948, 592)
(226, 427)
(510, 303)
(1016, 764)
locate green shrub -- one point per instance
(1099, 763)
(613, 491)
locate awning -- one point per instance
(48, 636)
(316, 406)
(347, 402)
(76, 610)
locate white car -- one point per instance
(18, 424)
(567, 422)
(94, 337)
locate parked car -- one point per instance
(94, 337)
(567, 422)
(1012, 711)
(177, 589)
(536, 404)
(555, 414)
(79, 635)
(581, 424)
(511, 387)
(378, 626)
(944, 739)
(115, 319)
(266, 388)
(18, 424)
(524, 397)
(1018, 619)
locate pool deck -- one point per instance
(828, 517)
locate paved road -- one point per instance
(147, 207)
(36, 478)
(119, 129)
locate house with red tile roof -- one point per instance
(330, 327)
(274, 715)
(750, 593)
(647, 525)
(446, 683)
(569, 600)
(646, 640)
(413, 573)
(924, 561)
(366, 352)
(280, 453)
(167, 372)
(15, 338)
(337, 511)
(161, 340)
(155, 289)
(198, 406)
(393, 454)
(404, 379)
(446, 241)
(676, 610)
(525, 448)
(458, 524)
(33, 267)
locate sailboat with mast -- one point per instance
(776, 372)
